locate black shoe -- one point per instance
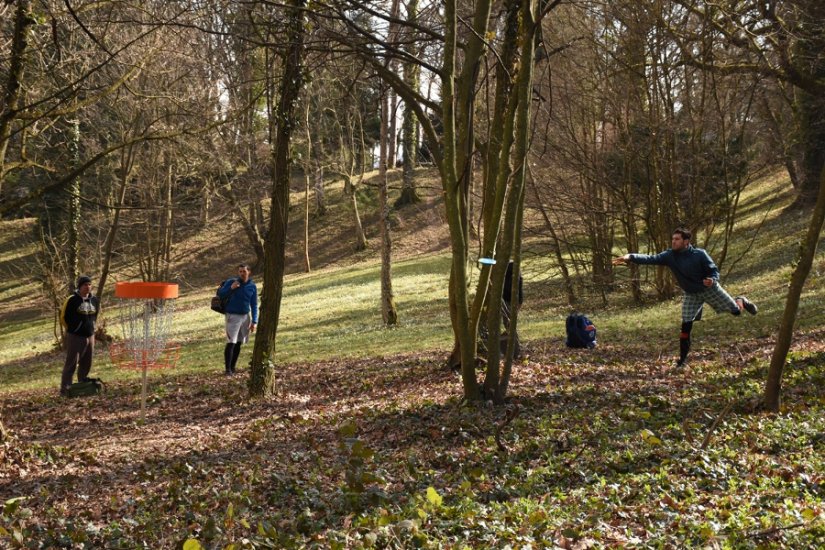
(747, 305)
(680, 363)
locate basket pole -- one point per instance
(143, 395)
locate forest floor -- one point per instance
(603, 448)
(608, 448)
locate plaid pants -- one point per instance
(715, 295)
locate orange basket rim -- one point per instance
(146, 290)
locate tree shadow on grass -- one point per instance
(203, 442)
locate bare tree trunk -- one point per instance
(511, 234)
(307, 264)
(11, 90)
(127, 159)
(388, 310)
(168, 227)
(496, 176)
(512, 323)
(262, 371)
(783, 143)
(389, 313)
(409, 127)
(810, 105)
(307, 170)
(807, 251)
(632, 235)
(73, 240)
(392, 132)
(251, 222)
(320, 199)
(350, 151)
(456, 136)
(206, 201)
(360, 238)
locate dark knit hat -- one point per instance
(82, 280)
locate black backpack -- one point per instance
(90, 386)
(581, 332)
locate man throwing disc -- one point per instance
(699, 278)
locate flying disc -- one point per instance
(487, 261)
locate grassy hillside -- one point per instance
(366, 443)
(333, 311)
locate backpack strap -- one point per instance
(63, 312)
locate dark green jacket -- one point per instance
(690, 266)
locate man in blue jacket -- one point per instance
(699, 278)
(242, 299)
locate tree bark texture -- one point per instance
(12, 86)
(73, 191)
(810, 113)
(496, 382)
(389, 313)
(807, 251)
(409, 126)
(262, 372)
(307, 171)
(496, 176)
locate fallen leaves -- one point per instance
(599, 455)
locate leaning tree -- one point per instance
(780, 40)
(461, 49)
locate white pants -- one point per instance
(237, 328)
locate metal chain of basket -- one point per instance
(146, 325)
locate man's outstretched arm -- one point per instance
(621, 260)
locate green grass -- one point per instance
(324, 315)
(334, 312)
(365, 444)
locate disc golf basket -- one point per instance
(145, 319)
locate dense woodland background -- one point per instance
(171, 140)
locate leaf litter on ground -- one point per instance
(605, 451)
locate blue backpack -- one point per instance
(581, 332)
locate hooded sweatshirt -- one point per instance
(243, 300)
(80, 314)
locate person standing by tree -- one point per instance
(79, 315)
(699, 278)
(507, 305)
(241, 297)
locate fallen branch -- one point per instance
(742, 357)
(511, 414)
(716, 422)
(686, 429)
(775, 530)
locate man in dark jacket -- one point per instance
(242, 299)
(699, 278)
(79, 315)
